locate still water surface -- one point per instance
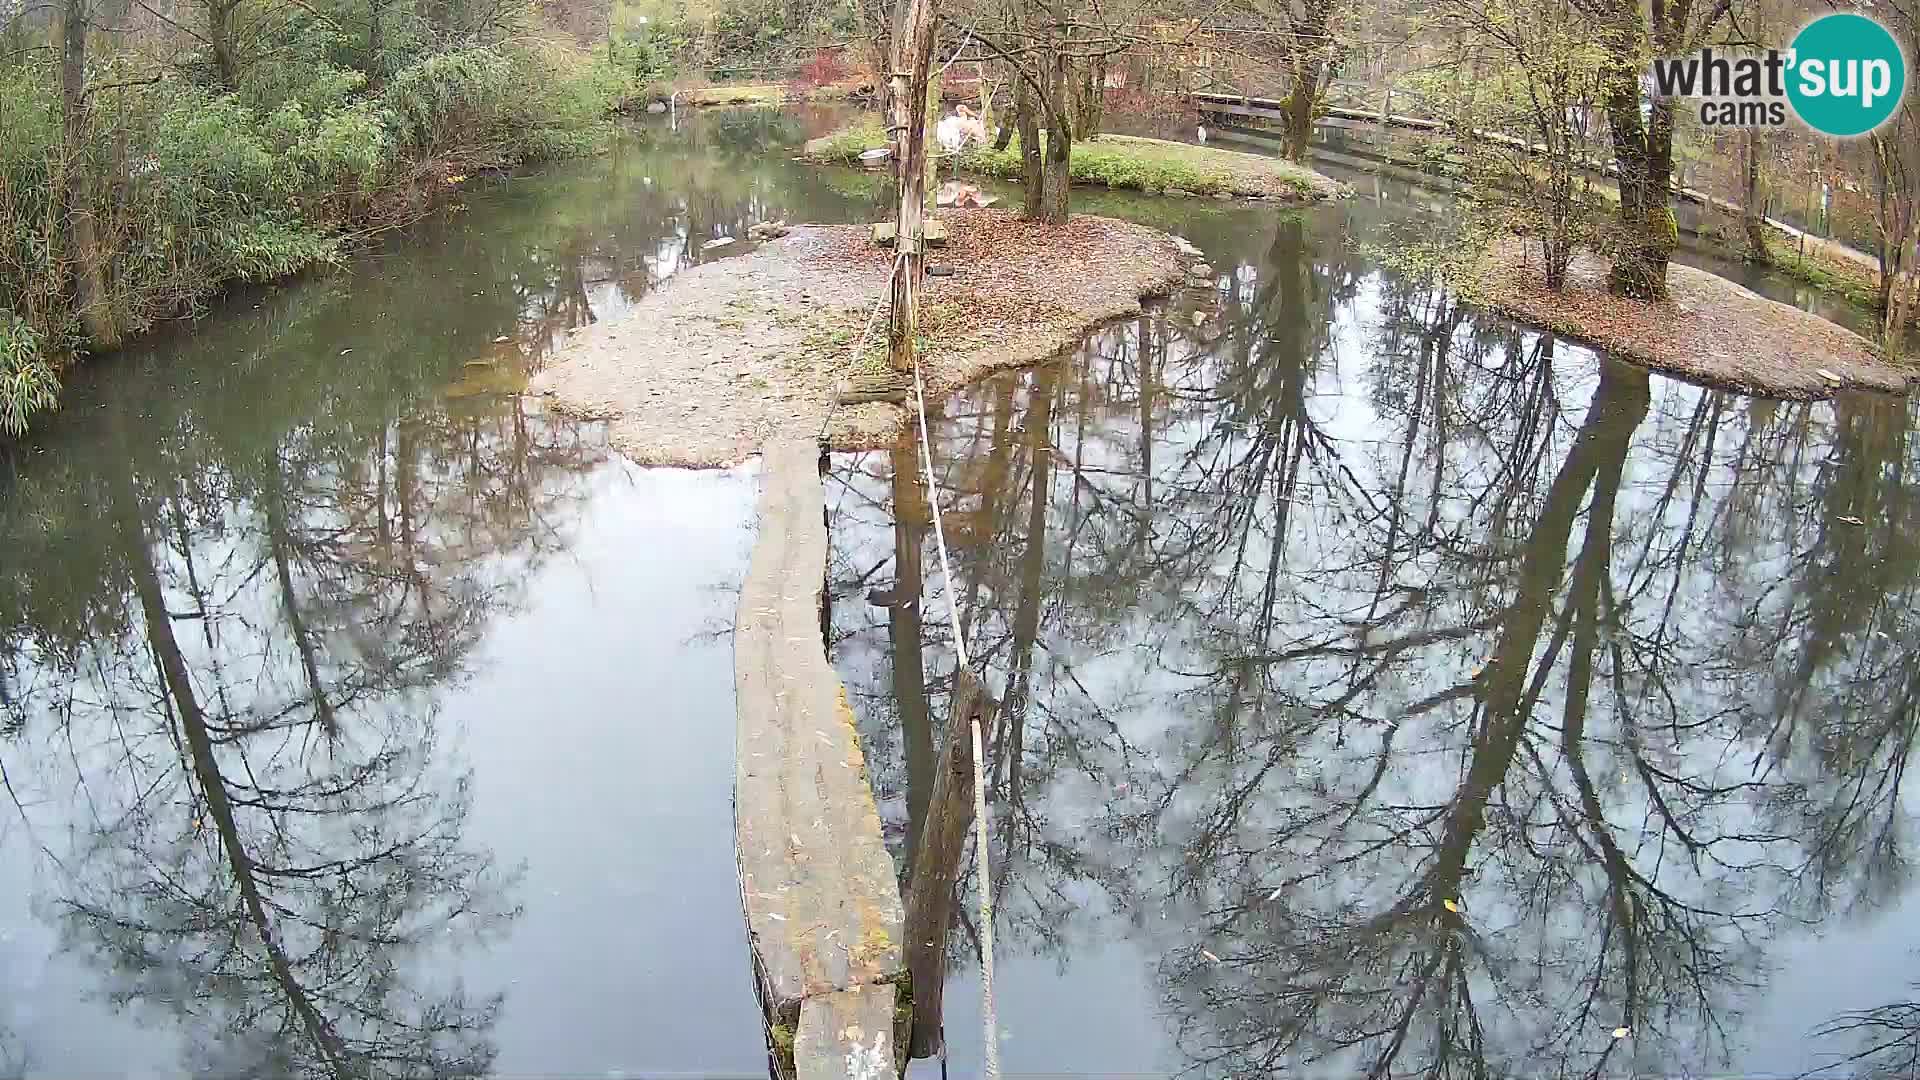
(356, 715)
(1386, 690)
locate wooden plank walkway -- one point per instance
(1273, 109)
(817, 886)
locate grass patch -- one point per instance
(843, 145)
(1830, 276)
(772, 94)
(1124, 162)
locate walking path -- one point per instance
(822, 906)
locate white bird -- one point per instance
(951, 134)
(954, 132)
(1203, 133)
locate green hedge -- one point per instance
(197, 185)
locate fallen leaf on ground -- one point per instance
(1621, 1033)
(1709, 328)
(1450, 906)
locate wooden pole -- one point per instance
(912, 60)
(936, 863)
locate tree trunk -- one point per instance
(1643, 152)
(912, 57)
(1901, 284)
(1900, 309)
(1027, 120)
(1300, 118)
(1642, 249)
(1054, 196)
(1753, 203)
(911, 517)
(1309, 65)
(936, 863)
(986, 96)
(1091, 107)
(13, 26)
(1004, 137)
(930, 111)
(220, 40)
(76, 186)
(377, 43)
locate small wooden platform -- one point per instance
(817, 886)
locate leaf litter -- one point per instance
(758, 345)
(1709, 329)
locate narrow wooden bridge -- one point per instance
(1335, 116)
(822, 906)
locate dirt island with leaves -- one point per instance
(775, 342)
(1704, 328)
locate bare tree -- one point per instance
(907, 82)
(1896, 166)
(77, 187)
(1643, 144)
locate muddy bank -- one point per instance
(736, 352)
(1709, 329)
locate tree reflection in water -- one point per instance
(226, 700)
(1467, 697)
(253, 562)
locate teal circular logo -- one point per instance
(1847, 74)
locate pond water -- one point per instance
(1389, 691)
(357, 715)
(357, 711)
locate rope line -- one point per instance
(991, 1027)
(989, 1022)
(861, 345)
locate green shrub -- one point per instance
(347, 147)
(29, 135)
(193, 185)
(460, 94)
(27, 382)
(565, 116)
(483, 106)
